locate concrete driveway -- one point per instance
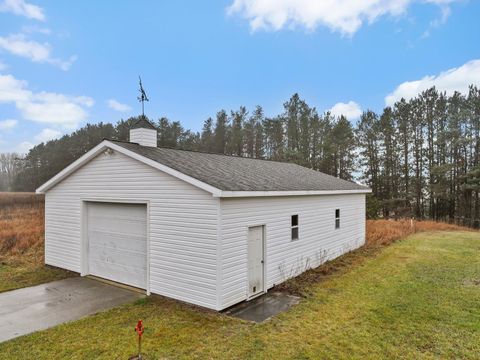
(39, 307)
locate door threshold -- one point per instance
(117, 284)
(256, 295)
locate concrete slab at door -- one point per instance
(26, 310)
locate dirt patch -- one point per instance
(471, 282)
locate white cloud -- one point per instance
(455, 79)
(44, 107)
(47, 134)
(18, 44)
(23, 147)
(117, 106)
(351, 110)
(22, 8)
(8, 124)
(344, 16)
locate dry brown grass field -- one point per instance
(384, 232)
(21, 223)
(21, 242)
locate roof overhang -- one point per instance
(104, 145)
(237, 194)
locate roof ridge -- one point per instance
(205, 152)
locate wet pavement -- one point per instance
(39, 307)
(264, 307)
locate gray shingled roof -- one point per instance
(234, 173)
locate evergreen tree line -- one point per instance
(420, 157)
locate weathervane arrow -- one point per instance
(143, 96)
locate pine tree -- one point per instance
(207, 137)
(235, 145)
(343, 140)
(221, 132)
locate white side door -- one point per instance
(117, 242)
(255, 261)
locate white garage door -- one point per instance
(117, 242)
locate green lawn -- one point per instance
(22, 271)
(416, 299)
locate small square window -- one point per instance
(294, 227)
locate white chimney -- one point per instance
(143, 133)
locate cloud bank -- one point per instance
(20, 45)
(61, 110)
(343, 16)
(455, 79)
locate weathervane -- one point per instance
(143, 96)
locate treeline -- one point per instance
(420, 157)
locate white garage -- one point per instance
(117, 242)
(208, 229)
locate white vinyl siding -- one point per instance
(319, 241)
(182, 224)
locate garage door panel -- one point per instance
(128, 275)
(122, 228)
(117, 242)
(118, 256)
(118, 225)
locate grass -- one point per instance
(415, 299)
(379, 233)
(21, 242)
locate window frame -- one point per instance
(294, 228)
(337, 219)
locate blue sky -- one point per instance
(66, 63)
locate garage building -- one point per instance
(208, 229)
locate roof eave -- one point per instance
(240, 194)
